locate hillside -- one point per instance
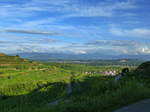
(1, 54)
(29, 86)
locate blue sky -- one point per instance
(118, 27)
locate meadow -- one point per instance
(30, 86)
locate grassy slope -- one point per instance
(15, 72)
(24, 83)
(27, 86)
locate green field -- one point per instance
(29, 86)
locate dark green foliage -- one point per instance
(143, 69)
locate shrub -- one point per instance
(143, 69)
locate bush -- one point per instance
(143, 69)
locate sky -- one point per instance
(110, 27)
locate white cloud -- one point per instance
(100, 9)
(137, 32)
(120, 47)
(13, 14)
(105, 47)
(144, 50)
(67, 7)
(82, 52)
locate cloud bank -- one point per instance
(137, 32)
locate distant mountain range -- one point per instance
(65, 56)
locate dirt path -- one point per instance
(142, 106)
(68, 90)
